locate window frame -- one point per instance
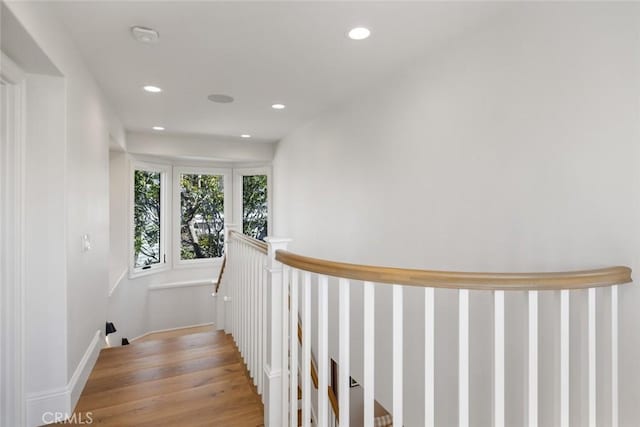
(226, 173)
(238, 208)
(165, 178)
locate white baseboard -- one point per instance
(63, 400)
(169, 330)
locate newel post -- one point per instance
(223, 320)
(273, 369)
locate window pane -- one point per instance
(202, 216)
(254, 206)
(146, 218)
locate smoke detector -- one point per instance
(145, 35)
(220, 98)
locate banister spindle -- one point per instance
(463, 358)
(293, 349)
(323, 350)
(398, 354)
(306, 349)
(614, 356)
(369, 355)
(564, 358)
(533, 359)
(429, 357)
(498, 359)
(261, 330)
(251, 312)
(286, 281)
(344, 367)
(591, 339)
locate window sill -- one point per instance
(141, 273)
(214, 263)
(188, 284)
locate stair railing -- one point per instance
(283, 292)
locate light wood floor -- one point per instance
(191, 377)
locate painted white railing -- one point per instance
(290, 295)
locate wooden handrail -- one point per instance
(224, 264)
(460, 280)
(255, 243)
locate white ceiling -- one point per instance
(295, 53)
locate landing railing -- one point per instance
(288, 363)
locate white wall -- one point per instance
(513, 148)
(69, 126)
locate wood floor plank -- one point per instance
(193, 379)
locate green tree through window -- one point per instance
(202, 216)
(146, 218)
(254, 206)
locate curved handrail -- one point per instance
(460, 280)
(255, 243)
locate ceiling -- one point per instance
(261, 53)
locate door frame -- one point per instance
(12, 181)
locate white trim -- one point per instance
(238, 173)
(122, 276)
(64, 399)
(81, 374)
(176, 218)
(12, 146)
(272, 374)
(165, 201)
(188, 284)
(158, 331)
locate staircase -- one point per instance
(269, 296)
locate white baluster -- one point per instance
(344, 367)
(293, 348)
(323, 350)
(286, 281)
(234, 298)
(398, 354)
(260, 330)
(591, 334)
(369, 355)
(254, 316)
(463, 358)
(498, 359)
(429, 357)
(241, 313)
(263, 316)
(614, 356)
(564, 358)
(250, 312)
(533, 359)
(306, 350)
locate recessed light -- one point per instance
(152, 89)
(278, 106)
(145, 35)
(158, 128)
(359, 33)
(220, 98)
(245, 135)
